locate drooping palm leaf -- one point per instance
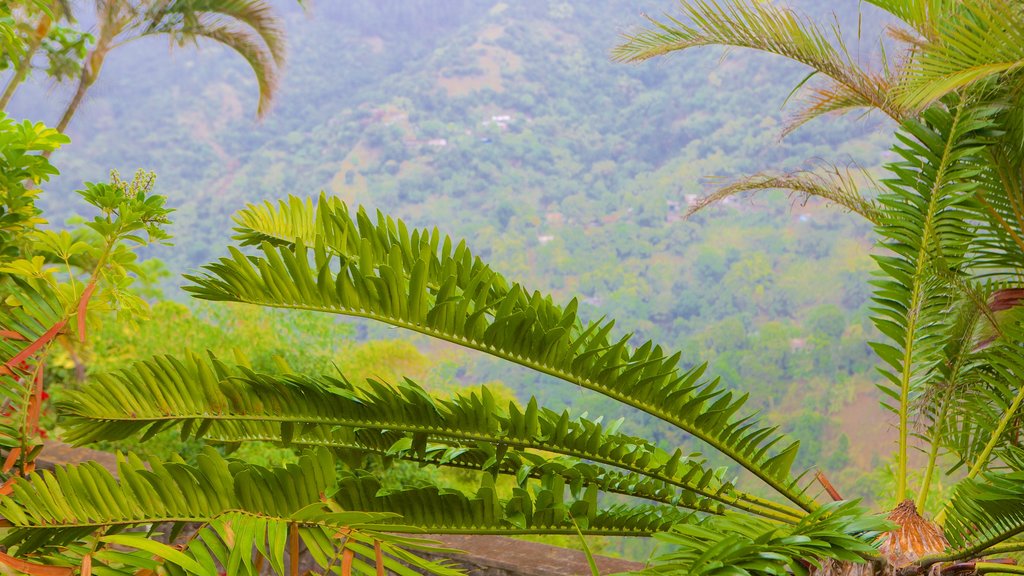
(249, 27)
(422, 281)
(832, 184)
(761, 26)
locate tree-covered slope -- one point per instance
(508, 122)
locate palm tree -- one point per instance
(47, 14)
(948, 218)
(249, 27)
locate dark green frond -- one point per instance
(422, 281)
(984, 511)
(722, 545)
(231, 405)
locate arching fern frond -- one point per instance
(424, 282)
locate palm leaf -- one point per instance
(984, 38)
(249, 27)
(759, 26)
(921, 15)
(832, 184)
(422, 281)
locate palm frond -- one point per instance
(246, 44)
(833, 184)
(921, 15)
(211, 400)
(760, 26)
(258, 15)
(249, 27)
(422, 281)
(831, 97)
(985, 38)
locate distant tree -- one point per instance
(249, 27)
(42, 24)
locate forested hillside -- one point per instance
(507, 123)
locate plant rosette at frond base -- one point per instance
(912, 539)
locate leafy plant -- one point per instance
(946, 301)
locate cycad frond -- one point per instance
(984, 511)
(999, 245)
(242, 508)
(437, 510)
(759, 26)
(922, 220)
(422, 281)
(832, 184)
(212, 401)
(986, 410)
(837, 531)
